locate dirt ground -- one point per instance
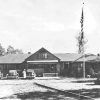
(11, 87)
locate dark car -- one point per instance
(30, 74)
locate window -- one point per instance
(43, 55)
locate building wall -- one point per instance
(62, 68)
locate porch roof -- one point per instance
(95, 59)
(88, 58)
(68, 57)
(42, 61)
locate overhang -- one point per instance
(42, 62)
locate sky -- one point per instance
(52, 24)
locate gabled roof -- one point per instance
(19, 58)
(13, 58)
(35, 56)
(67, 56)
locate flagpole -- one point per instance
(82, 38)
(83, 47)
(83, 65)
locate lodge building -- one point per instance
(44, 63)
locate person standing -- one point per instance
(24, 73)
(33, 74)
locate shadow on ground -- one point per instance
(40, 96)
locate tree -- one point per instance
(11, 50)
(18, 51)
(2, 50)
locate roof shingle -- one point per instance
(68, 56)
(13, 58)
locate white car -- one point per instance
(12, 74)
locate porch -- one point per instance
(47, 68)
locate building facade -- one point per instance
(44, 63)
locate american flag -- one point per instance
(82, 22)
(81, 36)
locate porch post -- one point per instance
(63, 69)
(68, 64)
(84, 67)
(26, 66)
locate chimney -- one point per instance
(98, 54)
(29, 52)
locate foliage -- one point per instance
(11, 50)
(2, 50)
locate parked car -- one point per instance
(30, 74)
(12, 74)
